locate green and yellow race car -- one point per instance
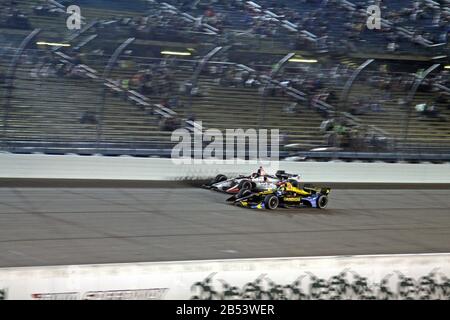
(285, 196)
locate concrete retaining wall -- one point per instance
(148, 169)
(353, 277)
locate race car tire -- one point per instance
(245, 185)
(322, 202)
(271, 202)
(306, 203)
(220, 178)
(243, 193)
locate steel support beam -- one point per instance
(275, 71)
(106, 73)
(410, 98)
(9, 81)
(198, 71)
(349, 84)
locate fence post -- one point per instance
(198, 70)
(9, 81)
(349, 84)
(275, 71)
(106, 73)
(410, 98)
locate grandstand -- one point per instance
(102, 198)
(66, 99)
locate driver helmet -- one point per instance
(261, 171)
(288, 186)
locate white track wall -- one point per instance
(130, 168)
(393, 276)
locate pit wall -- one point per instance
(345, 277)
(38, 166)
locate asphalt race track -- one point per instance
(54, 226)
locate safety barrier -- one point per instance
(152, 169)
(347, 277)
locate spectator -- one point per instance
(88, 117)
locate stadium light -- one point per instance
(303, 60)
(175, 53)
(53, 44)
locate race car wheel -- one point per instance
(220, 178)
(322, 202)
(245, 185)
(271, 202)
(243, 193)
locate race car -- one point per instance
(286, 196)
(258, 181)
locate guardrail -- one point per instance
(292, 151)
(37, 166)
(371, 156)
(421, 276)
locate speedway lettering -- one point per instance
(139, 294)
(142, 294)
(55, 296)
